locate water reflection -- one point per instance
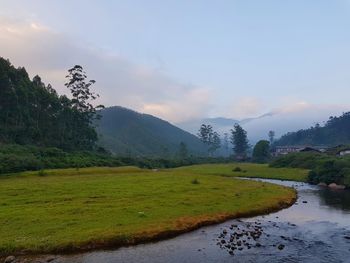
(339, 199)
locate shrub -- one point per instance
(195, 181)
(237, 169)
(42, 172)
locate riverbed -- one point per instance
(315, 229)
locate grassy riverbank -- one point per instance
(69, 209)
(251, 170)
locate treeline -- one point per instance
(33, 113)
(238, 141)
(334, 132)
(18, 158)
(323, 168)
(237, 138)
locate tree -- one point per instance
(205, 134)
(226, 144)
(183, 152)
(84, 112)
(215, 143)
(210, 138)
(239, 141)
(271, 137)
(82, 95)
(33, 113)
(261, 151)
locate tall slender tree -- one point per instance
(81, 103)
(210, 138)
(83, 97)
(239, 142)
(226, 144)
(271, 137)
(205, 134)
(215, 143)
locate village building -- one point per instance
(344, 152)
(283, 150)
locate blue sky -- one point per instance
(190, 59)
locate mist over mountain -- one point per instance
(280, 121)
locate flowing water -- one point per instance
(315, 229)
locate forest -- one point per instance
(335, 131)
(33, 113)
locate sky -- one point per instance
(187, 59)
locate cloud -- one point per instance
(189, 108)
(293, 108)
(49, 54)
(245, 107)
(303, 108)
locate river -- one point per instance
(315, 229)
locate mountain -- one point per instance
(335, 131)
(126, 132)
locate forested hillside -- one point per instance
(126, 132)
(33, 113)
(335, 131)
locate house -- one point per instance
(283, 150)
(343, 152)
(310, 149)
(339, 150)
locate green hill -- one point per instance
(126, 132)
(334, 132)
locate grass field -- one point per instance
(70, 209)
(249, 170)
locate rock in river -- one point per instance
(336, 186)
(10, 259)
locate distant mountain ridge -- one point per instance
(335, 131)
(127, 132)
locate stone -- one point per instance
(50, 258)
(280, 247)
(322, 184)
(9, 259)
(336, 186)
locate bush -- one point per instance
(324, 168)
(195, 181)
(237, 169)
(41, 172)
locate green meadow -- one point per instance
(251, 170)
(78, 209)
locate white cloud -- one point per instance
(190, 107)
(119, 82)
(245, 107)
